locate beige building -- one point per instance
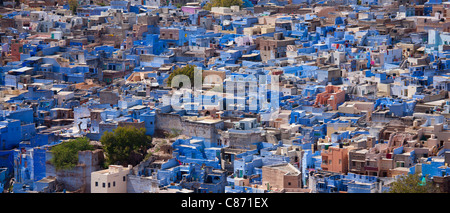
(356, 107)
(259, 29)
(274, 47)
(111, 180)
(282, 176)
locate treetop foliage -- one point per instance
(65, 154)
(188, 70)
(413, 183)
(223, 3)
(126, 145)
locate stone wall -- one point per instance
(242, 140)
(278, 179)
(273, 177)
(79, 178)
(137, 125)
(170, 122)
(140, 184)
(167, 122)
(109, 97)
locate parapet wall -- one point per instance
(170, 122)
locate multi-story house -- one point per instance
(274, 47)
(111, 180)
(335, 159)
(357, 161)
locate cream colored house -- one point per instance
(259, 29)
(111, 180)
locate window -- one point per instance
(109, 185)
(340, 161)
(96, 183)
(104, 185)
(123, 178)
(114, 183)
(329, 162)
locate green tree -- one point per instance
(413, 183)
(223, 3)
(65, 154)
(73, 5)
(126, 145)
(187, 70)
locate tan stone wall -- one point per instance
(272, 176)
(169, 34)
(277, 179)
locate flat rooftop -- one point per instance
(287, 168)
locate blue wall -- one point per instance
(10, 135)
(24, 115)
(149, 120)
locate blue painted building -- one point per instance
(10, 132)
(149, 120)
